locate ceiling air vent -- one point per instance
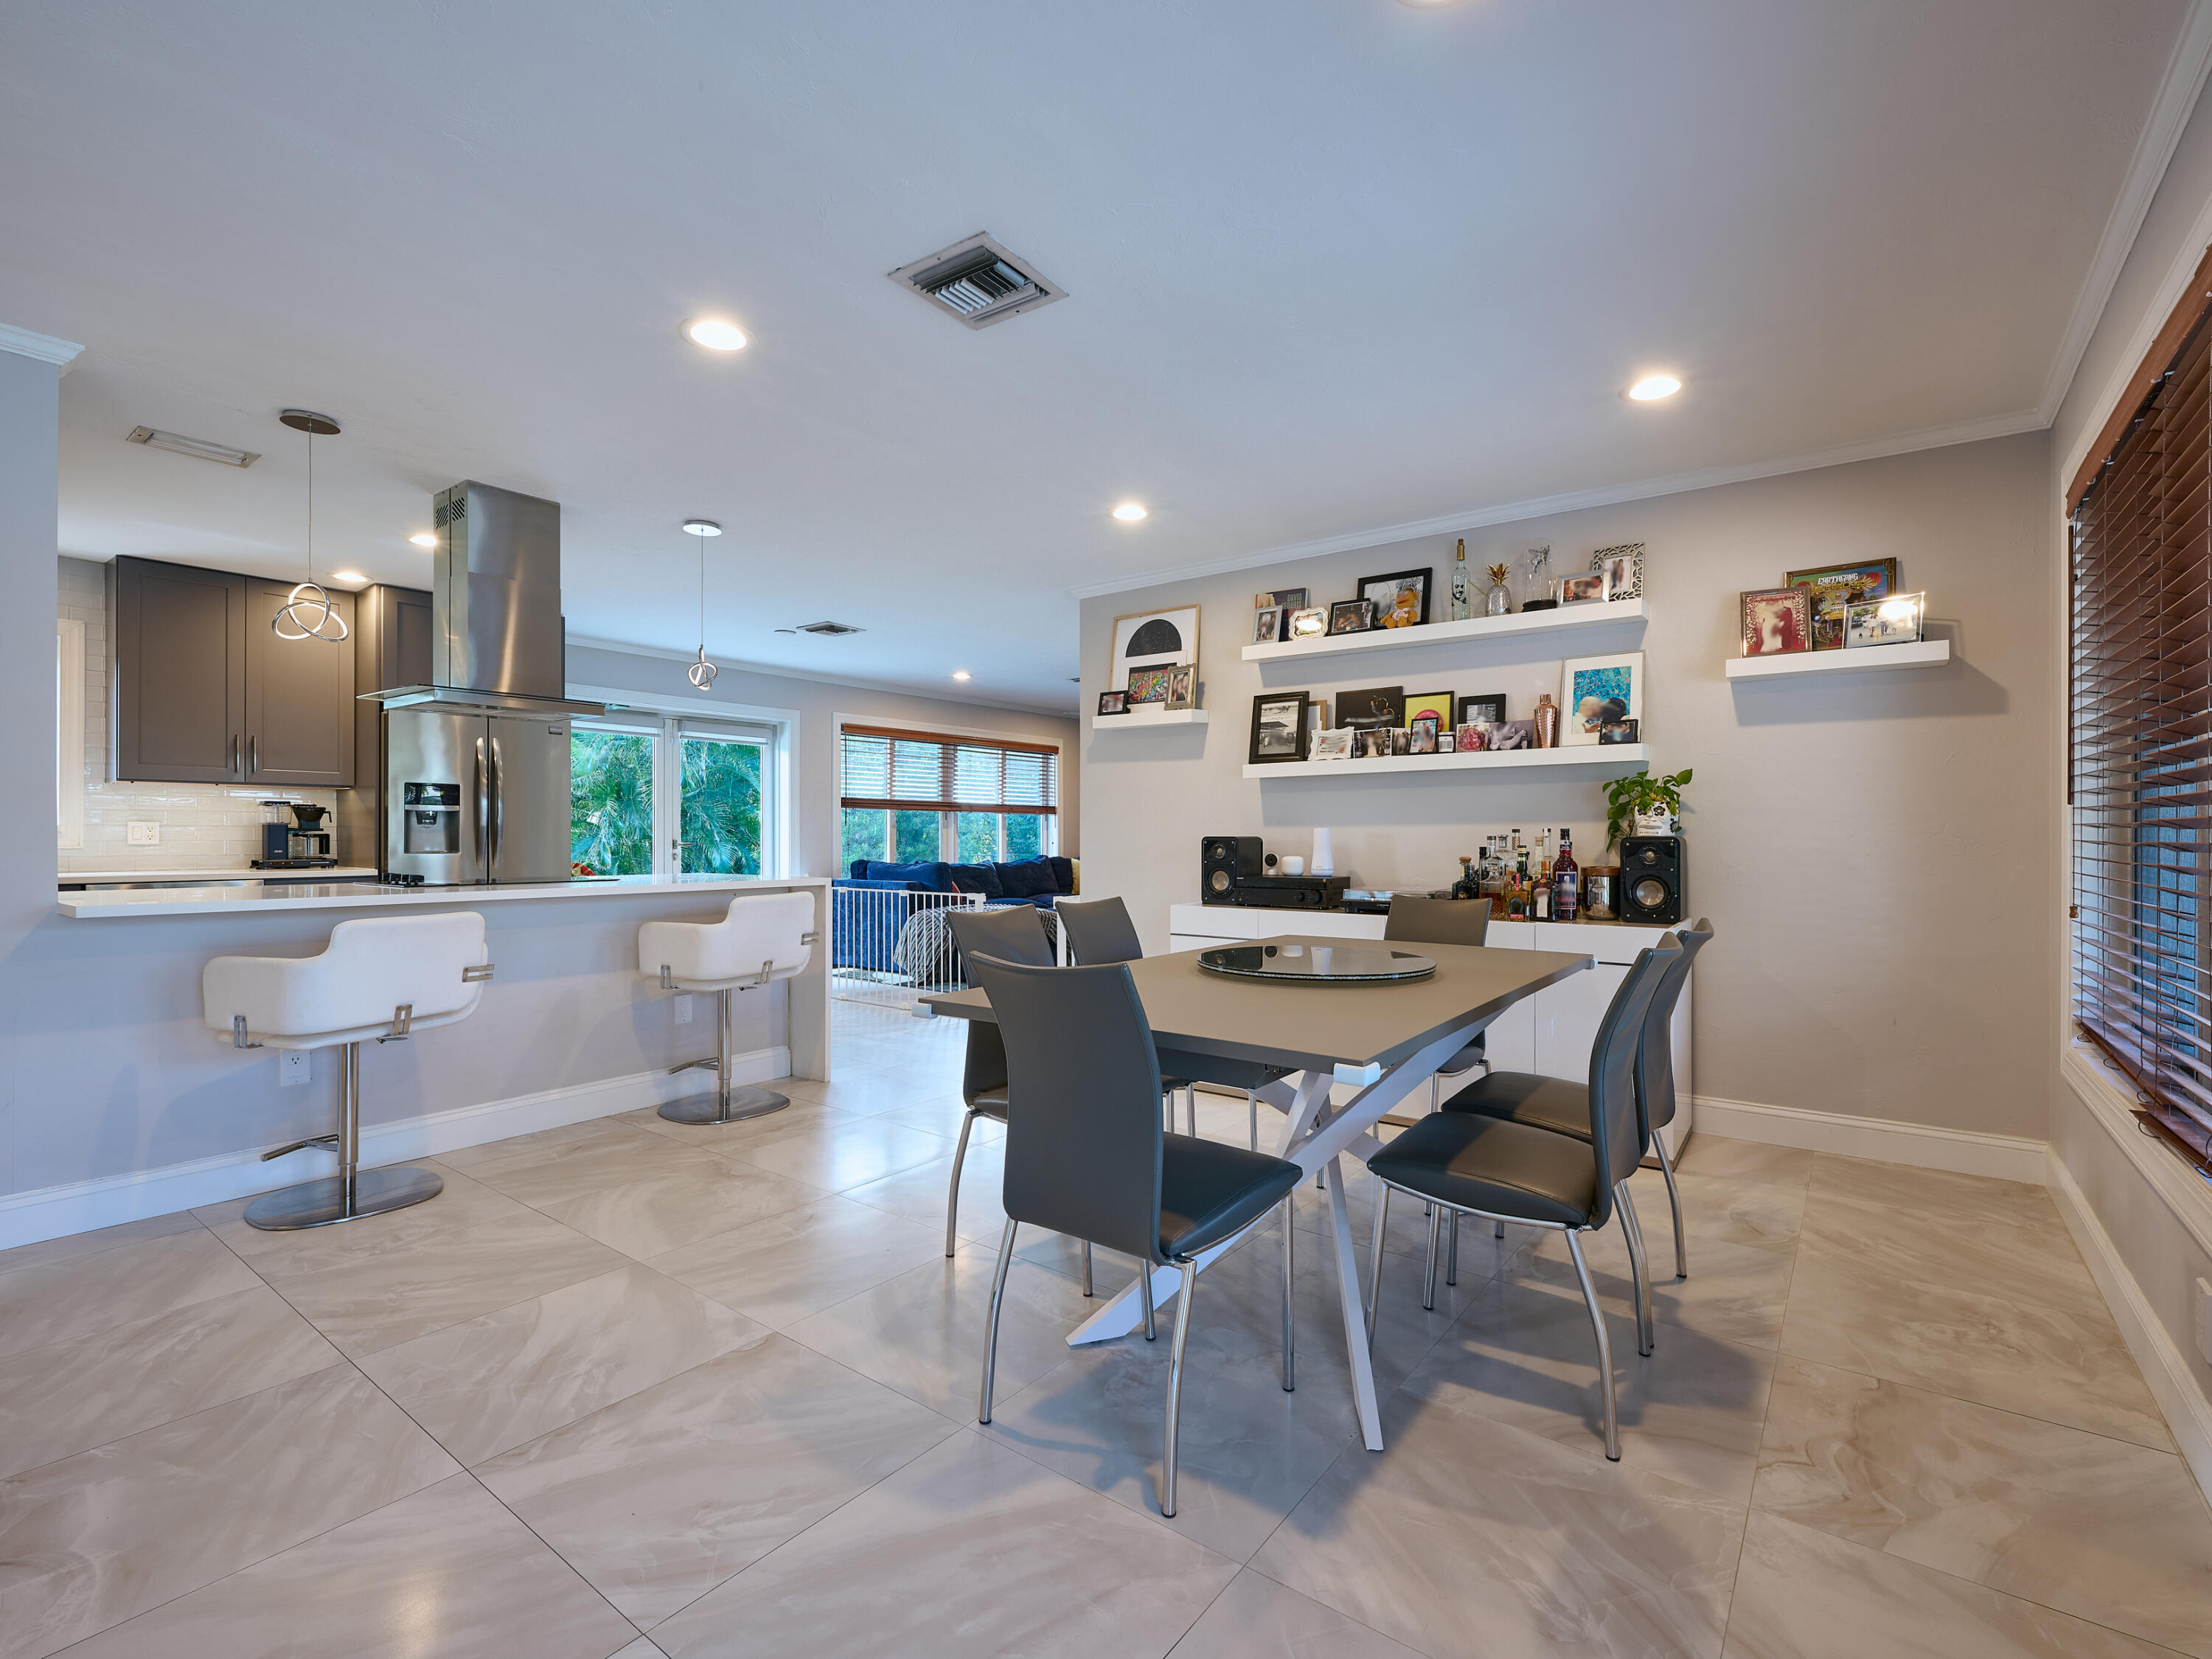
(978, 281)
(833, 630)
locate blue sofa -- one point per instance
(865, 932)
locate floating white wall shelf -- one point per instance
(1926, 654)
(1595, 615)
(1593, 757)
(1139, 720)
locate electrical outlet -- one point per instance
(142, 832)
(2205, 1319)
(683, 1008)
(291, 1067)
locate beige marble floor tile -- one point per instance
(1800, 1594)
(98, 1538)
(67, 1299)
(968, 1552)
(645, 1218)
(2114, 1532)
(834, 1157)
(1707, 1154)
(537, 1143)
(614, 1155)
(917, 1194)
(464, 1203)
(446, 1571)
(493, 1382)
(75, 1245)
(641, 1649)
(941, 1114)
(1974, 1200)
(1735, 1293)
(70, 1396)
(1256, 1617)
(2065, 1368)
(864, 1091)
(723, 1139)
(1524, 1354)
(922, 1332)
(1469, 1535)
(780, 1270)
(1728, 1209)
(1999, 1251)
(659, 1497)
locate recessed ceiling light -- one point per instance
(1652, 388)
(348, 576)
(1129, 511)
(715, 333)
(960, 674)
(702, 527)
(423, 538)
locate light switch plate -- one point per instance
(2205, 1319)
(142, 832)
(291, 1067)
(683, 1008)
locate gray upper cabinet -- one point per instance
(178, 682)
(298, 698)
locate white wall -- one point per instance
(1865, 844)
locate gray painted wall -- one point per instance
(1870, 848)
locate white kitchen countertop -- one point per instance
(342, 873)
(369, 896)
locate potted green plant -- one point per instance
(1649, 805)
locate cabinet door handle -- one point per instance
(233, 753)
(252, 755)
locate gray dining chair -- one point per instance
(1101, 931)
(1467, 1163)
(1442, 921)
(1086, 1155)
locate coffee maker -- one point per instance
(301, 843)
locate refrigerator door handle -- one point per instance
(484, 809)
(498, 807)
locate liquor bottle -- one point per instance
(1539, 908)
(1566, 881)
(1462, 596)
(1464, 888)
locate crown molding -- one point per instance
(2178, 92)
(1541, 506)
(43, 347)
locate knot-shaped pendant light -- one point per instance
(701, 673)
(307, 612)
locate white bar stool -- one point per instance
(384, 978)
(765, 936)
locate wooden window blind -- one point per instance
(928, 772)
(2140, 765)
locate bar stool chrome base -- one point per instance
(734, 1107)
(340, 1198)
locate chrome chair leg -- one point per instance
(1190, 1108)
(1499, 1232)
(1436, 1233)
(1451, 1250)
(1145, 1291)
(1086, 1267)
(1375, 1257)
(991, 1336)
(1604, 1347)
(1252, 1111)
(1175, 1382)
(1290, 1311)
(952, 1192)
(1639, 1271)
(1674, 1203)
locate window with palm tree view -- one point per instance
(916, 798)
(668, 795)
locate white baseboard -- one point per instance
(2164, 1369)
(1884, 1141)
(83, 1206)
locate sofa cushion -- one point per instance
(932, 875)
(1063, 875)
(1028, 878)
(974, 878)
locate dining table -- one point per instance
(1350, 1049)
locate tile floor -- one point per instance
(628, 1388)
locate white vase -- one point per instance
(1661, 823)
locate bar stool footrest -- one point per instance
(319, 1203)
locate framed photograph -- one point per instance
(1147, 685)
(1283, 599)
(1482, 708)
(1582, 590)
(1472, 738)
(1428, 705)
(1333, 746)
(1898, 620)
(1373, 744)
(1268, 625)
(1182, 686)
(1401, 600)
(1278, 728)
(1510, 734)
(1617, 732)
(1309, 624)
(1835, 588)
(1113, 702)
(1622, 568)
(1597, 691)
(1773, 620)
(1154, 639)
(1421, 737)
(1351, 616)
(1368, 711)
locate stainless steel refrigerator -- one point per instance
(475, 797)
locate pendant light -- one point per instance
(701, 673)
(309, 609)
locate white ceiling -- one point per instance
(1333, 267)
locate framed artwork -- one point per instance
(1278, 728)
(1154, 639)
(1428, 705)
(1268, 625)
(1473, 738)
(1898, 620)
(1113, 702)
(1582, 590)
(1374, 710)
(1622, 568)
(1333, 746)
(1147, 685)
(1309, 624)
(1510, 734)
(1283, 599)
(1617, 732)
(1421, 737)
(1773, 620)
(1351, 616)
(1182, 686)
(1401, 600)
(1835, 588)
(1482, 708)
(1595, 691)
